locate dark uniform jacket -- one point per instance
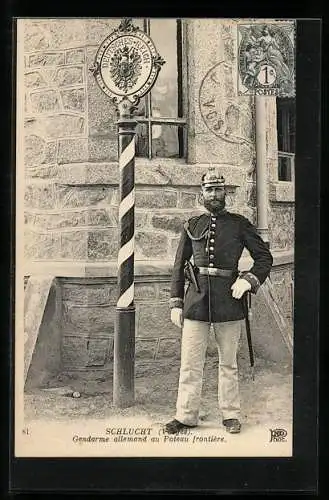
(217, 242)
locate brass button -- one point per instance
(212, 240)
(213, 218)
(211, 248)
(212, 233)
(211, 256)
(211, 264)
(213, 225)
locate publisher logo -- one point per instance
(278, 435)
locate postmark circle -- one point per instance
(220, 110)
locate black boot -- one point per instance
(232, 425)
(174, 426)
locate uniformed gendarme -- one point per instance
(207, 256)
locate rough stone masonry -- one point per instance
(71, 183)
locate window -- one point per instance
(286, 127)
(161, 124)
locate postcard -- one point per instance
(155, 219)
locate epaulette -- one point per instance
(196, 228)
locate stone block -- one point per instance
(35, 37)
(141, 219)
(282, 192)
(76, 196)
(102, 245)
(187, 200)
(89, 173)
(88, 294)
(63, 219)
(281, 226)
(74, 99)
(102, 115)
(41, 34)
(34, 150)
(212, 149)
(155, 199)
(74, 245)
(166, 174)
(72, 150)
(104, 148)
(98, 351)
(164, 291)
(34, 80)
(145, 292)
(55, 126)
(41, 245)
(172, 222)
(40, 195)
(154, 322)
(94, 149)
(46, 59)
(62, 125)
(91, 319)
(98, 29)
(72, 75)
(150, 245)
(169, 348)
(145, 349)
(75, 56)
(102, 217)
(45, 102)
(50, 152)
(74, 352)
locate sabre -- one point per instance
(247, 303)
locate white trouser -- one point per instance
(193, 354)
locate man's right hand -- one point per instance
(176, 316)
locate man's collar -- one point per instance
(222, 212)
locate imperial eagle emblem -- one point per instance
(125, 68)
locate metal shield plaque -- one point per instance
(127, 63)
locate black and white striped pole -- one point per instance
(124, 335)
(126, 67)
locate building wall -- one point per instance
(71, 191)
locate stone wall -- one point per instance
(71, 145)
(89, 321)
(89, 318)
(71, 175)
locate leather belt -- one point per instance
(215, 271)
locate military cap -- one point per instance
(211, 178)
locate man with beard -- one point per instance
(215, 295)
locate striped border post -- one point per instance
(124, 335)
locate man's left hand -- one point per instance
(239, 287)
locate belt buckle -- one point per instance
(212, 271)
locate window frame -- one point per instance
(286, 133)
(181, 121)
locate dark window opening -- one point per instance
(161, 130)
(286, 128)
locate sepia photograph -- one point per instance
(155, 237)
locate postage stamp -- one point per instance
(266, 59)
